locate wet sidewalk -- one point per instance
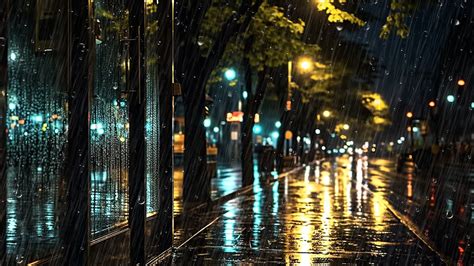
(321, 214)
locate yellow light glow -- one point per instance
(326, 113)
(305, 65)
(461, 82)
(409, 114)
(346, 127)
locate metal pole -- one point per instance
(412, 141)
(164, 229)
(75, 228)
(3, 135)
(288, 105)
(137, 109)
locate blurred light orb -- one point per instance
(346, 127)
(275, 135)
(409, 114)
(450, 98)
(216, 130)
(257, 129)
(432, 104)
(317, 131)
(277, 124)
(461, 82)
(13, 56)
(245, 94)
(230, 74)
(305, 64)
(207, 122)
(326, 113)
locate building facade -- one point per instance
(86, 116)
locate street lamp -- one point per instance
(305, 64)
(326, 113)
(410, 129)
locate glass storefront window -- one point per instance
(37, 124)
(152, 109)
(109, 130)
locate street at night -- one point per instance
(236, 132)
(326, 212)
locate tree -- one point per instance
(193, 67)
(259, 54)
(204, 29)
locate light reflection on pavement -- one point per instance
(322, 214)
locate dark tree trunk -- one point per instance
(162, 231)
(250, 110)
(196, 181)
(193, 70)
(285, 124)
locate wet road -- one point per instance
(325, 213)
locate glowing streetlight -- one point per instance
(461, 82)
(326, 113)
(207, 122)
(305, 64)
(275, 135)
(230, 74)
(409, 114)
(257, 129)
(346, 127)
(432, 104)
(450, 98)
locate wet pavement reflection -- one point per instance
(324, 213)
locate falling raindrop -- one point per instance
(18, 194)
(20, 259)
(141, 201)
(449, 215)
